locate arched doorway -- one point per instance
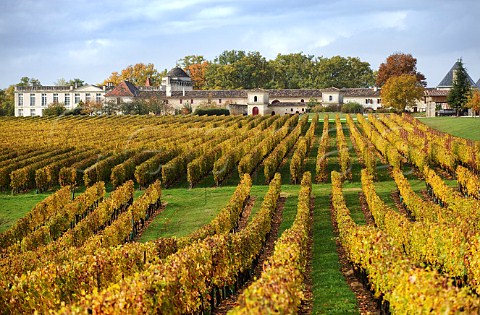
(255, 111)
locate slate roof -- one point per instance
(289, 104)
(177, 72)
(360, 92)
(124, 89)
(447, 81)
(302, 93)
(211, 94)
(331, 89)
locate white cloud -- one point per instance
(216, 13)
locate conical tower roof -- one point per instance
(447, 81)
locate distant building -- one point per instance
(32, 100)
(436, 98)
(176, 92)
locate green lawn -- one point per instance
(465, 127)
(14, 207)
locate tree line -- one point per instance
(400, 82)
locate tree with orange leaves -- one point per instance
(137, 74)
(474, 102)
(397, 65)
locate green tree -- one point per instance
(54, 109)
(187, 61)
(458, 95)
(291, 71)
(401, 91)
(343, 72)
(7, 101)
(76, 82)
(398, 64)
(229, 57)
(26, 81)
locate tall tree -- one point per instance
(187, 61)
(137, 74)
(197, 74)
(474, 102)
(460, 92)
(401, 91)
(343, 72)
(396, 65)
(291, 71)
(196, 66)
(26, 81)
(229, 57)
(7, 101)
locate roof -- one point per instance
(288, 104)
(211, 94)
(295, 93)
(447, 81)
(360, 92)
(177, 72)
(125, 88)
(331, 89)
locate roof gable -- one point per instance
(447, 81)
(124, 89)
(88, 88)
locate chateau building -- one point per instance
(32, 100)
(176, 92)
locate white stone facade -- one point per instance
(32, 100)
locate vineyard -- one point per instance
(238, 215)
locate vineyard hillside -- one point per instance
(294, 214)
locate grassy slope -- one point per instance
(14, 207)
(465, 127)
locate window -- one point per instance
(166, 102)
(98, 98)
(87, 97)
(330, 98)
(181, 101)
(67, 99)
(191, 101)
(255, 98)
(303, 109)
(20, 100)
(219, 101)
(32, 99)
(302, 101)
(55, 98)
(291, 109)
(32, 112)
(44, 99)
(20, 112)
(379, 100)
(77, 98)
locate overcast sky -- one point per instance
(53, 39)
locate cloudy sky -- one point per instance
(53, 39)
